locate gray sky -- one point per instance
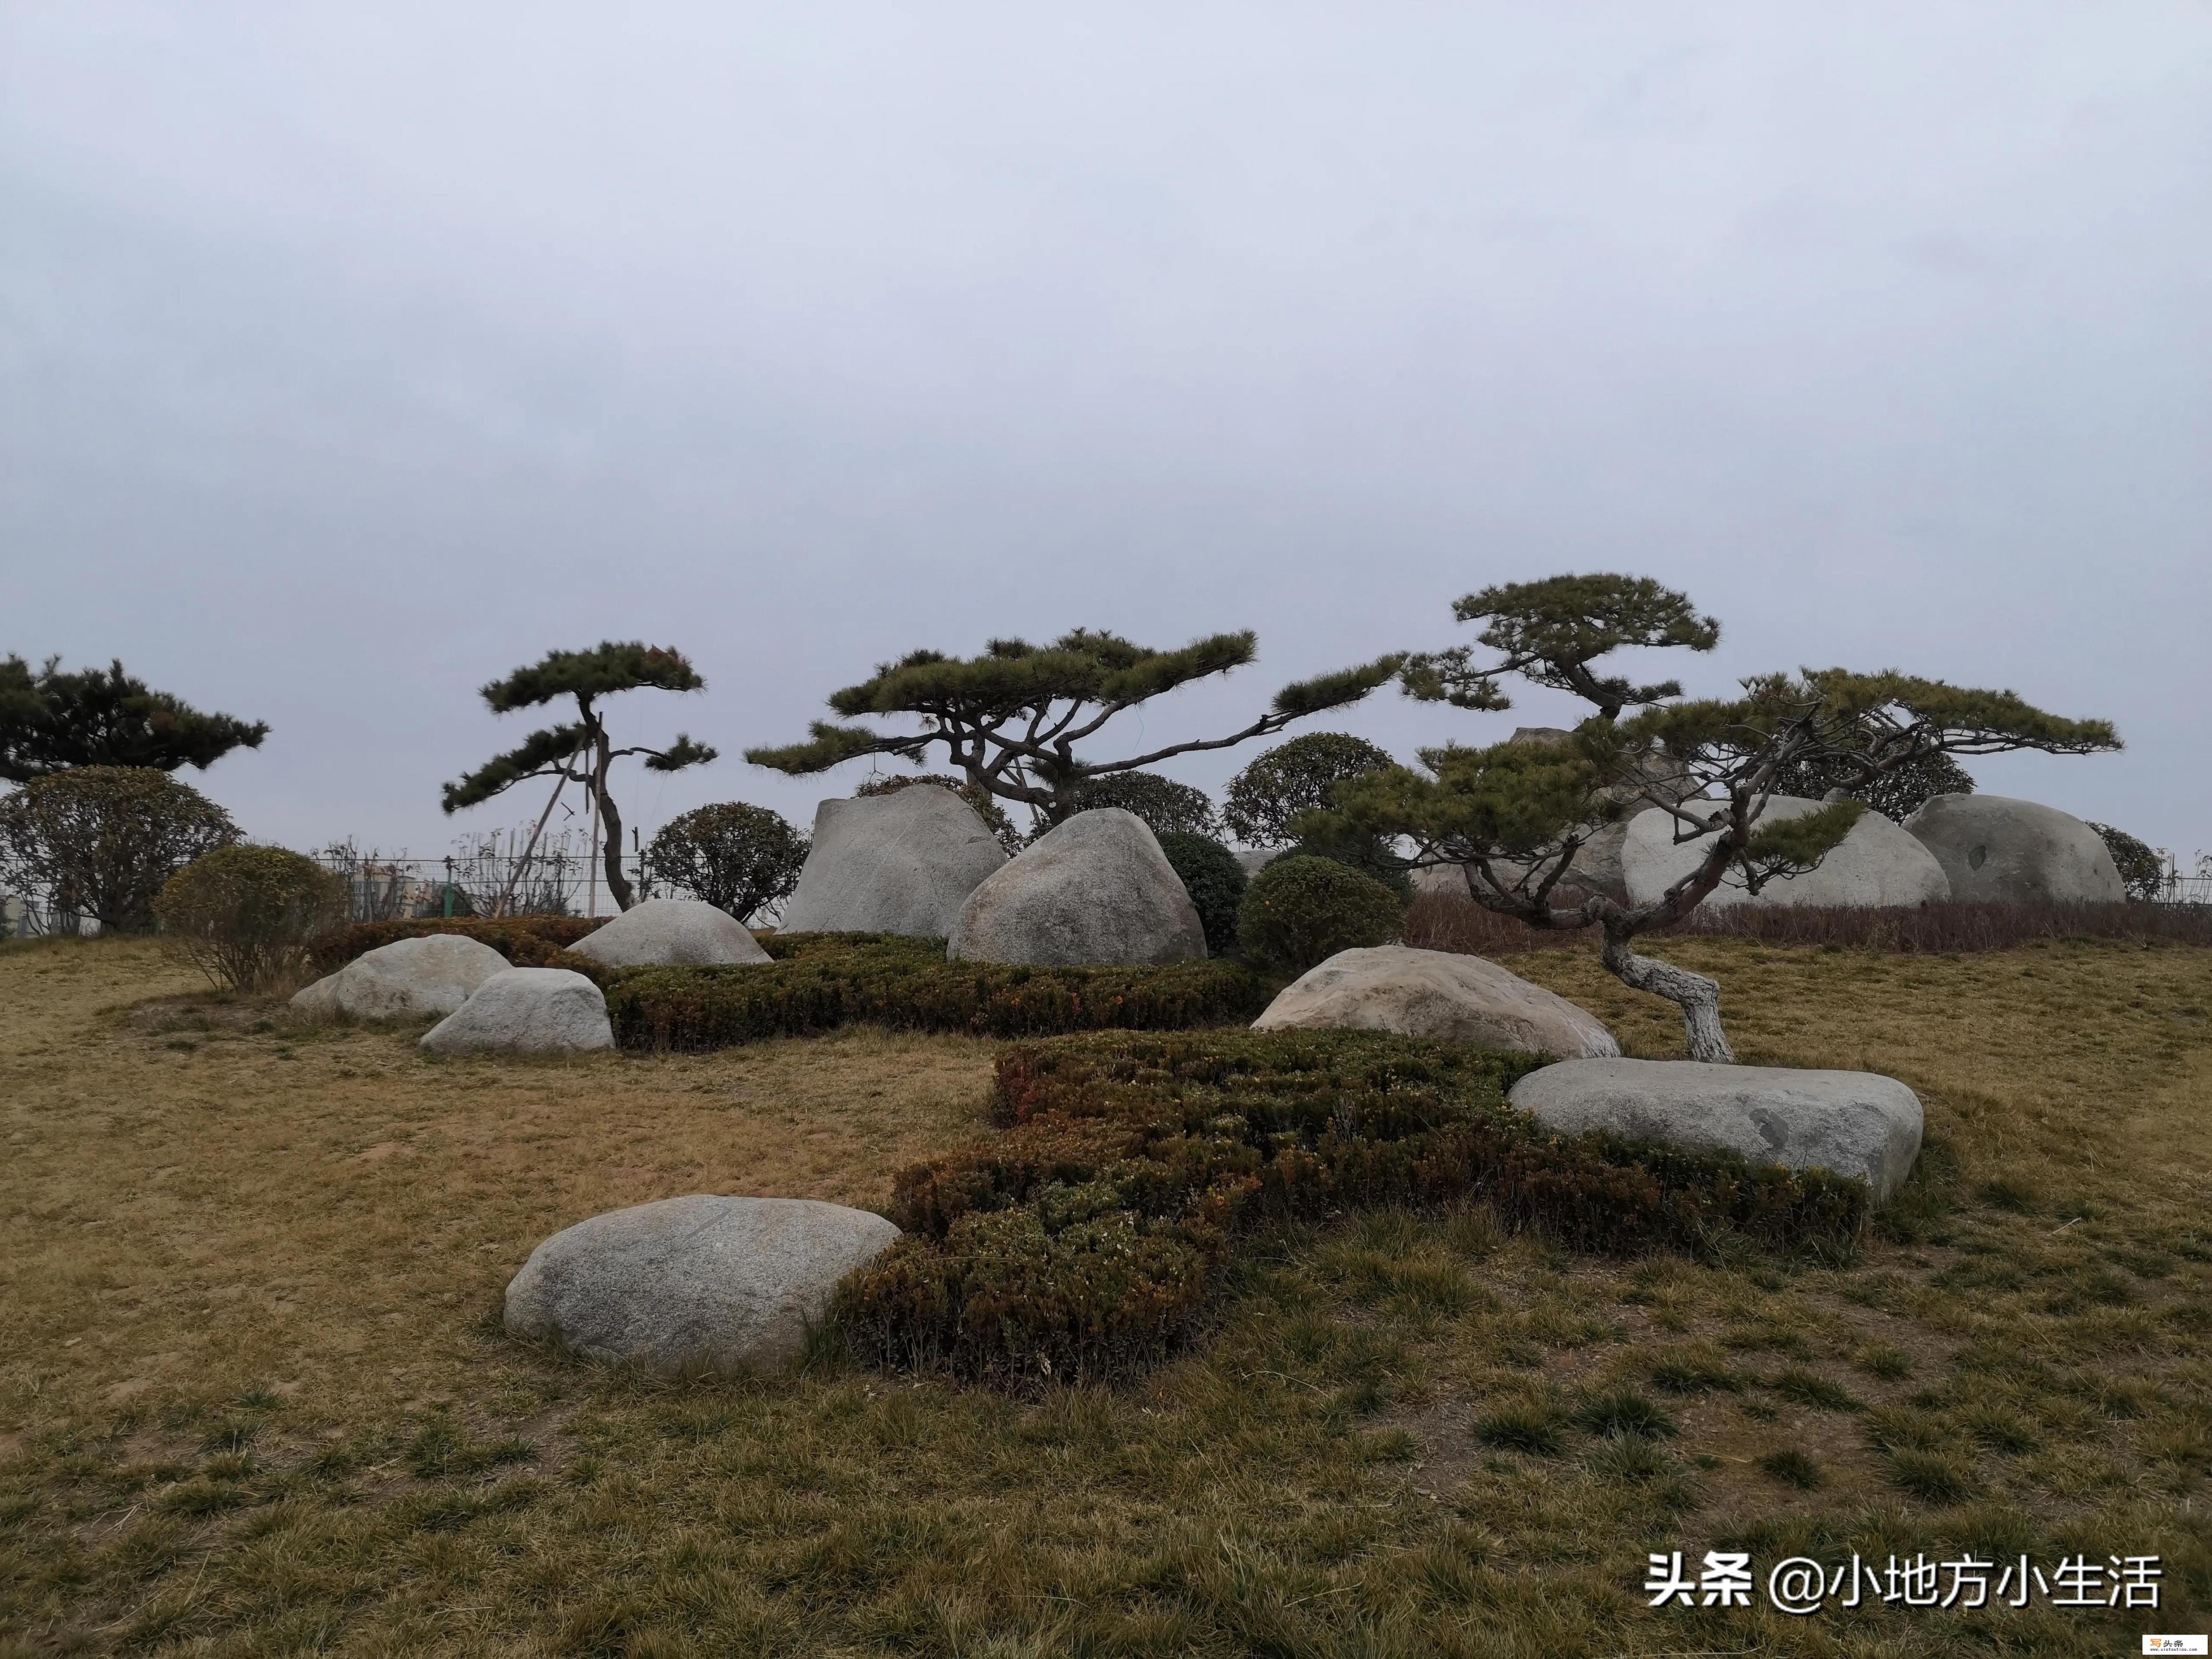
(351, 356)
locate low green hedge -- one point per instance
(829, 980)
(1082, 1242)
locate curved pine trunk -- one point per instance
(1698, 998)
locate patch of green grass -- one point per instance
(1531, 1429)
(1624, 1413)
(1931, 1477)
(1890, 1364)
(1793, 1467)
(1806, 1387)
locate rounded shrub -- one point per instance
(102, 838)
(1301, 910)
(737, 857)
(1167, 807)
(1215, 882)
(2142, 869)
(246, 916)
(1291, 778)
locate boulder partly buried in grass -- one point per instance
(1859, 1124)
(405, 979)
(526, 1010)
(692, 1286)
(671, 932)
(1876, 866)
(1440, 994)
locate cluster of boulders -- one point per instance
(1095, 888)
(1855, 1123)
(1955, 846)
(490, 1007)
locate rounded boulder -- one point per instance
(526, 1010)
(692, 1286)
(1995, 849)
(1859, 1124)
(405, 979)
(671, 932)
(1440, 994)
(1095, 888)
(901, 863)
(1877, 864)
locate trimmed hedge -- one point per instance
(824, 981)
(1083, 1240)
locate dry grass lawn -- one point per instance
(254, 1397)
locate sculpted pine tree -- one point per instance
(50, 722)
(1511, 818)
(1010, 720)
(581, 751)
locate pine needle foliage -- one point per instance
(1513, 816)
(581, 751)
(52, 721)
(1010, 720)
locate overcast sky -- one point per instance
(351, 356)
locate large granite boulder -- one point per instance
(1434, 993)
(528, 1011)
(1854, 1123)
(1095, 888)
(1877, 864)
(901, 863)
(2016, 850)
(671, 932)
(693, 1285)
(405, 979)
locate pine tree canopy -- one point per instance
(1549, 632)
(51, 722)
(587, 675)
(1011, 717)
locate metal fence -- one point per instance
(500, 874)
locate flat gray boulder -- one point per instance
(405, 979)
(671, 932)
(693, 1285)
(1877, 864)
(525, 1010)
(1855, 1123)
(1096, 888)
(901, 863)
(2016, 852)
(1434, 993)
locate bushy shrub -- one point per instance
(737, 857)
(2142, 872)
(829, 979)
(1215, 882)
(1082, 1242)
(1301, 910)
(986, 803)
(103, 839)
(1167, 807)
(1291, 778)
(247, 916)
(526, 941)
